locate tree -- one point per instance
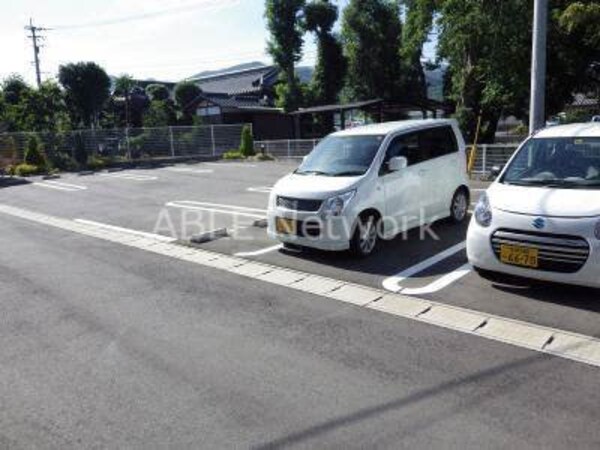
(187, 95)
(13, 89)
(157, 92)
(161, 113)
(87, 88)
(247, 142)
(328, 78)
(417, 25)
(284, 22)
(371, 32)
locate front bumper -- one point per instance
(334, 234)
(482, 256)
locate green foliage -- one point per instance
(161, 113)
(233, 154)
(13, 89)
(87, 89)
(187, 95)
(577, 116)
(286, 28)
(26, 170)
(371, 31)
(263, 157)
(157, 92)
(95, 163)
(247, 142)
(123, 85)
(328, 78)
(64, 162)
(34, 154)
(582, 19)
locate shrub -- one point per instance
(233, 154)
(34, 156)
(95, 163)
(247, 142)
(64, 161)
(25, 170)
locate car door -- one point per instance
(403, 201)
(439, 169)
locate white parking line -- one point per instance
(59, 186)
(393, 283)
(129, 176)
(441, 282)
(260, 252)
(157, 237)
(261, 189)
(220, 208)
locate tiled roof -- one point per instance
(236, 101)
(239, 82)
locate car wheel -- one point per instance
(460, 206)
(366, 236)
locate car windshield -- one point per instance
(569, 163)
(339, 156)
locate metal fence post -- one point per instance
(127, 143)
(171, 142)
(484, 159)
(289, 148)
(212, 137)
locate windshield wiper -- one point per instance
(553, 183)
(349, 173)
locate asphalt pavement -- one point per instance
(108, 346)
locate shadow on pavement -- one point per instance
(11, 181)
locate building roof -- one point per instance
(391, 127)
(588, 129)
(334, 108)
(248, 81)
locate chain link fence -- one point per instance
(488, 155)
(126, 144)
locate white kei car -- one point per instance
(541, 218)
(372, 182)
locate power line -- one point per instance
(36, 36)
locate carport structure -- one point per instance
(318, 121)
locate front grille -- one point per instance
(557, 252)
(298, 204)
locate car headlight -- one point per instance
(483, 211)
(335, 206)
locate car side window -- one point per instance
(436, 142)
(406, 145)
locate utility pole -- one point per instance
(35, 37)
(537, 111)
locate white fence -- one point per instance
(129, 144)
(488, 155)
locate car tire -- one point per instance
(459, 208)
(365, 237)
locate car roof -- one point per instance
(588, 129)
(393, 127)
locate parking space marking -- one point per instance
(261, 252)
(220, 208)
(158, 237)
(440, 283)
(60, 186)
(393, 283)
(261, 189)
(129, 176)
(572, 346)
(188, 170)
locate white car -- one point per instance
(372, 182)
(541, 218)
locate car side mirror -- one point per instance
(496, 170)
(397, 163)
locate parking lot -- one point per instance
(182, 200)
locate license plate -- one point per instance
(285, 226)
(519, 256)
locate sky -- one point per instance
(166, 40)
